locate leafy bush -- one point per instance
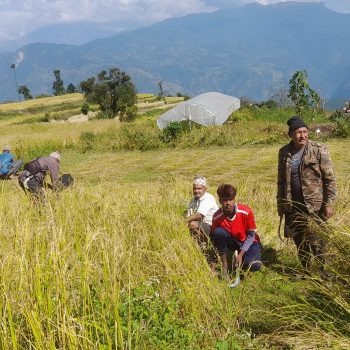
(129, 114)
(343, 124)
(85, 108)
(46, 118)
(172, 132)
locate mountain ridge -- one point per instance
(248, 51)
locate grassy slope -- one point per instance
(110, 261)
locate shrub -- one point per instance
(343, 124)
(172, 132)
(129, 114)
(105, 115)
(139, 137)
(85, 108)
(46, 118)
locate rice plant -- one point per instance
(109, 263)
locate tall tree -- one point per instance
(113, 91)
(57, 86)
(302, 95)
(24, 90)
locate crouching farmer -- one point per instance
(8, 165)
(234, 229)
(199, 218)
(31, 179)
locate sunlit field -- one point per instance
(109, 263)
(41, 102)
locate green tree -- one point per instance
(23, 90)
(302, 95)
(71, 89)
(57, 86)
(114, 92)
(87, 87)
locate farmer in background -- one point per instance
(8, 165)
(234, 229)
(306, 189)
(199, 218)
(31, 179)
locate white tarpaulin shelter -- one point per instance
(210, 108)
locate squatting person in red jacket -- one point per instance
(234, 228)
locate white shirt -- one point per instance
(205, 205)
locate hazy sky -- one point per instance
(19, 17)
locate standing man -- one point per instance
(8, 165)
(234, 229)
(306, 189)
(199, 217)
(31, 179)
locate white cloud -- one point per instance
(19, 17)
(336, 5)
(22, 16)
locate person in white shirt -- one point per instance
(199, 218)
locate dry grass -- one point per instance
(109, 264)
(41, 102)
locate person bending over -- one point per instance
(8, 165)
(31, 179)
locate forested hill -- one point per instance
(249, 51)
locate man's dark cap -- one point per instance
(295, 123)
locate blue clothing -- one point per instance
(6, 160)
(223, 241)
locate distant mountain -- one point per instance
(249, 51)
(78, 33)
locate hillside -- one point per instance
(109, 263)
(249, 51)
